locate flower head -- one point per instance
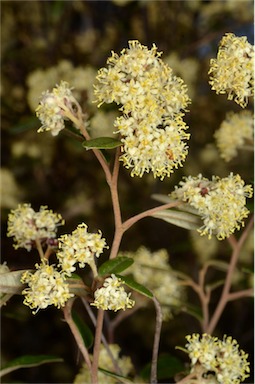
(152, 101)
(220, 202)
(53, 107)
(79, 247)
(153, 271)
(26, 225)
(46, 286)
(234, 132)
(105, 362)
(112, 296)
(222, 358)
(232, 71)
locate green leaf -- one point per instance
(193, 311)
(131, 283)
(165, 199)
(116, 265)
(168, 367)
(102, 143)
(27, 361)
(10, 282)
(84, 330)
(119, 378)
(180, 219)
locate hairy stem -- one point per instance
(97, 343)
(68, 318)
(237, 246)
(154, 361)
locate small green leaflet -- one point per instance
(27, 361)
(131, 283)
(118, 378)
(114, 266)
(102, 143)
(168, 367)
(180, 219)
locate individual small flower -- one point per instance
(79, 247)
(46, 286)
(152, 270)
(105, 362)
(26, 225)
(220, 358)
(152, 101)
(53, 106)
(234, 133)
(220, 202)
(232, 71)
(112, 296)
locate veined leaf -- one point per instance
(27, 361)
(84, 330)
(180, 219)
(102, 143)
(116, 265)
(165, 199)
(131, 283)
(10, 282)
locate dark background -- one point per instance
(38, 34)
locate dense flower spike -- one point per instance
(236, 131)
(79, 247)
(219, 359)
(152, 100)
(46, 287)
(26, 225)
(112, 296)
(153, 271)
(220, 202)
(53, 107)
(232, 71)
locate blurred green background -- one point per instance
(43, 42)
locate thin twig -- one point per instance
(154, 360)
(68, 318)
(97, 343)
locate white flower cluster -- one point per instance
(26, 225)
(221, 359)
(112, 296)
(220, 202)
(53, 106)
(79, 247)
(232, 72)
(236, 131)
(152, 270)
(152, 100)
(105, 362)
(46, 286)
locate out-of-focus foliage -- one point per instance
(43, 42)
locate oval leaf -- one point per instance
(131, 283)
(118, 378)
(180, 219)
(102, 143)
(168, 367)
(27, 361)
(84, 330)
(10, 282)
(116, 265)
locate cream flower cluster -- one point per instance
(26, 225)
(220, 202)
(105, 362)
(234, 133)
(232, 71)
(79, 247)
(220, 358)
(52, 108)
(153, 271)
(152, 100)
(112, 296)
(46, 286)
